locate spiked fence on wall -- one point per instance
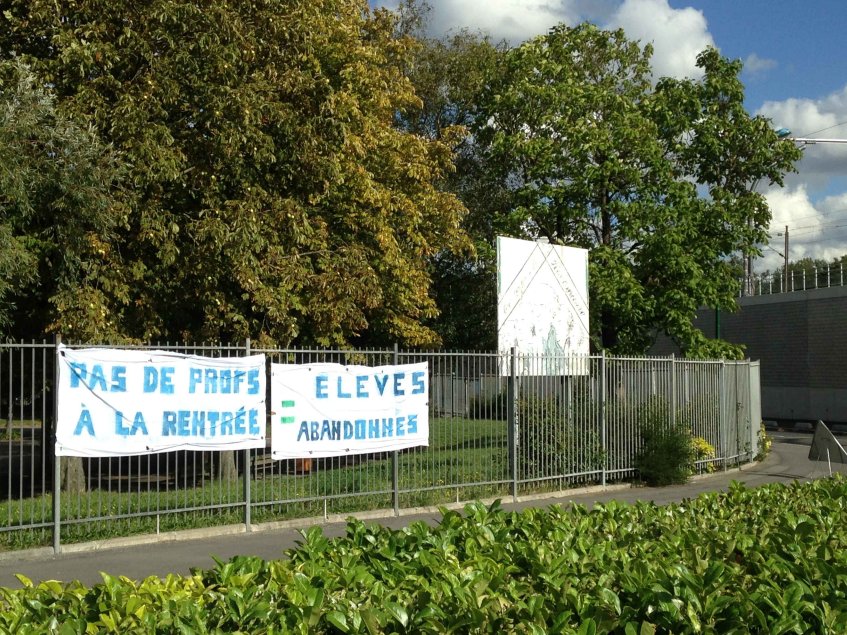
(501, 424)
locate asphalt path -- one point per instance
(143, 556)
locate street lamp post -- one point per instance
(810, 142)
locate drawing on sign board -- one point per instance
(542, 307)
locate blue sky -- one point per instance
(795, 56)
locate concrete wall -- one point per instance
(801, 340)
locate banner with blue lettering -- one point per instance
(116, 402)
(325, 410)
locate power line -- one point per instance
(807, 229)
(829, 241)
(778, 253)
(811, 229)
(811, 235)
(836, 125)
(821, 213)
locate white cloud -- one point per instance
(511, 20)
(789, 207)
(803, 116)
(756, 65)
(817, 218)
(822, 118)
(829, 235)
(815, 229)
(677, 35)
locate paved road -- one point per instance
(168, 554)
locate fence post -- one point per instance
(603, 450)
(723, 418)
(57, 460)
(755, 399)
(744, 423)
(247, 471)
(512, 422)
(673, 391)
(395, 463)
(738, 417)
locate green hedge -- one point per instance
(768, 560)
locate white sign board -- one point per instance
(542, 305)
(131, 402)
(325, 410)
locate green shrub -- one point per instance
(764, 560)
(703, 451)
(553, 441)
(667, 454)
(542, 446)
(492, 407)
(765, 442)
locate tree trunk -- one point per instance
(608, 330)
(73, 475)
(227, 470)
(608, 326)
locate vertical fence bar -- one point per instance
(57, 460)
(246, 468)
(603, 449)
(673, 399)
(744, 400)
(395, 460)
(739, 415)
(723, 425)
(512, 422)
(755, 397)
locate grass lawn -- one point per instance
(467, 459)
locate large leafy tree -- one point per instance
(658, 182)
(449, 76)
(272, 196)
(59, 207)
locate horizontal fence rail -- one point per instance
(501, 424)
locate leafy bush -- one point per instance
(492, 407)
(765, 442)
(703, 451)
(764, 560)
(542, 445)
(667, 454)
(551, 442)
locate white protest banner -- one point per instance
(129, 402)
(324, 410)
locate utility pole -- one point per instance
(748, 266)
(785, 253)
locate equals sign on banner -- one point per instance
(285, 419)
